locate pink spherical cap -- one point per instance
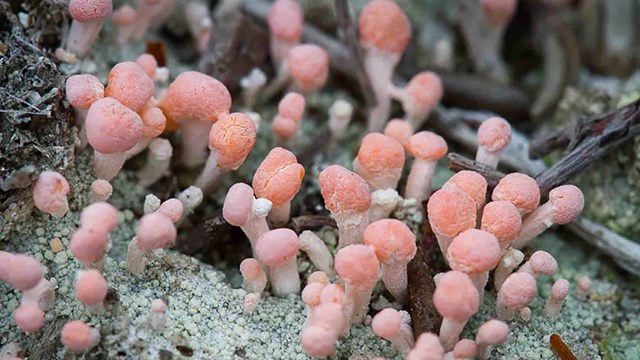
(91, 287)
(426, 145)
(29, 317)
(474, 251)
(112, 127)
(89, 245)
(425, 91)
(285, 19)
(471, 183)
(451, 212)
(399, 130)
(250, 269)
(387, 323)
(232, 137)
(567, 202)
(278, 246)
(88, 10)
(380, 160)
(309, 66)
(494, 134)
(155, 231)
(560, 289)
(518, 290)
(78, 336)
(292, 106)
(521, 190)
(278, 177)
(492, 332)
(21, 271)
(148, 63)
(172, 208)
(130, 85)
(237, 204)
(358, 265)
(383, 25)
(502, 219)
(391, 239)
(455, 296)
(83, 90)
(344, 191)
(153, 121)
(100, 216)
(50, 193)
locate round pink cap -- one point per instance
(494, 134)
(568, 202)
(237, 204)
(83, 90)
(129, 84)
(112, 127)
(455, 296)
(474, 251)
(276, 247)
(520, 189)
(88, 10)
(155, 231)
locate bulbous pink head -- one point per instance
(518, 290)
(78, 336)
(50, 193)
(83, 90)
(344, 191)
(451, 212)
(400, 130)
(357, 265)
(494, 134)
(195, 96)
(284, 127)
(155, 231)
(392, 241)
(311, 293)
(567, 202)
(100, 216)
(130, 85)
(292, 106)
(153, 121)
(148, 63)
(89, 10)
(309, 66)
(465, 349)
(21, 271)
(328, 315)
(426, 145)
(124, 15)
(112, 127)
(584, 284)
(318, 342)
(88, 245)
(474, 251)
(237, 204)
(278, 177)
(492, 332)
(285, 20)
(380, 160)
(387, 323)
(28, 317)
(455, 296)
(383, 25)
(498, 12)
(91, 287)
(250, 269)
(543, 263)
(471, 183)
(232, 137)
(427, 343)
(276, 247)
(101, 189)
(521, 190)
(318, 276)
(332, 293)
(172, 208)
(502, 219)
(560, 289)
(425, 91)
(158, 306)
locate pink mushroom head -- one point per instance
(517, 291)
(474, 251)
(91, 287)
(173, 209)
(78, 336)
(148, 63)
(541, 263)
(155, 231)
(130, 85)
(285, 19)
(23, 272)
(400, 130)
(50, 193)
(89, 245)
(425, 91)
(237, 204)
(100, 216)
(502, 219)
(278, 246)
(521, 190)
(380, 161)
(89, 10)
(112, 127)
(153, 121)
(28, 317)
(455, 296)
(567, 202)
(233, 137)
(471, 183)
(386, 323)
(309, 66)
(195, 96)
(344, 191)
(426, 145)
(392, 241)
(358, 265)
(384, 26)
(83, 90)
(451, 212)
(494, 134)
(278, 177)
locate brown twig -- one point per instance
(558, 139)
(349, 33)
(420, 272)
(458, 163)
(311, 222)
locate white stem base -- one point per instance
(107, 166)
(351, 228)
(491, 159)
(285, 279)
(194, 142)
(158, 161)
(211, 174)
(419, 180)
(534, 224)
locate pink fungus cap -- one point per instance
(21, 271)
(155, 231)
(50, 193)
(474, 251)
(129, 84)
(309, 66)
(380, 156)
(89, 10)
(101, 216)
(124, 15)
(358, 265)
(78, 336)
(148, 63)
(317, 341)
(543, 263)
(344, 191)
(426, 145)
(455, 296)
(237, 204)
(91, 287)
(387, 323)
(502, 219)
(318, 276)
(425, 90)
(392, 240)
(520, 189)
(385, 26)
(560, 289)
(285, 19)
(153, 121)
(233, 137)
(292, 106)
(494, 134)
(83, 90)
(276, 247)
(568, 202)
(250, 269)
(172, 208)
(195, 96)
(311, 293)
(492, 332)
(518, 290)
(112, 127)
(399, 130)
(89, 245)
(451, 212)
(278, 177)
(28, 317)
(284, 127)
(332, 293)
(471, 183)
